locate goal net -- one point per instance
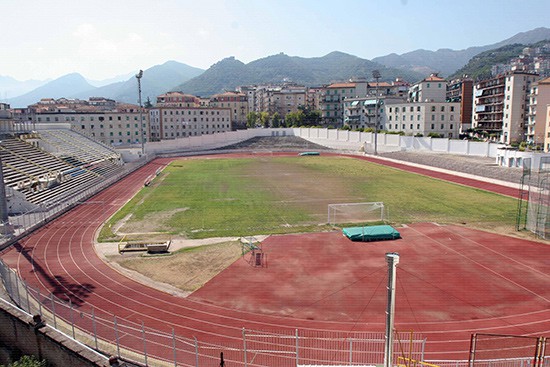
(345, 213)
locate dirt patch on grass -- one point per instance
(187, 269)
(300, 186)
(150, 224)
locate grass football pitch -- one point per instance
(200, 198)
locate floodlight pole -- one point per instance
(138, 77)
(392, 258)
(376, 76)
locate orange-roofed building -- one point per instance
(177, 99)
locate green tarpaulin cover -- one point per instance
(371, 233)
(309, 153)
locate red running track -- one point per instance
(64, 263)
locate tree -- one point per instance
(148, 103)
(28, 361)
(264, 119)
(251, 119)
(310, 117)
(276, 120)
(294, 118)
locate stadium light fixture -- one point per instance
(376, 76)
(138, 77)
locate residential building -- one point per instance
(313, 98)
(332, 100)
(500, 107)
(539, 98)
(179, 122)
(101, 119)
(249, 91)
(360, 113)
(430, 89)
(177, 99)
(281, 99)
(237, 102)
(461, 90)
(547, 127)
(423, 118)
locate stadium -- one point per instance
(464, 296)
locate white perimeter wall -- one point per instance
(351, 141)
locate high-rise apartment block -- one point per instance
(500, 106)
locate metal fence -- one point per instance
(534, 203)
(141, 344)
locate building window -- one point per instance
(433, 108)
(433, 126)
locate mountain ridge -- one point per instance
(447, 61)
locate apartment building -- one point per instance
(102, 119)
(537, 126)
(461, 91)
(423, 118)
(236, 102)
(360, 113)
(430, 89)
(177, 99)
(500, 106)
(332, 100)
(281, 99)
(178, 122)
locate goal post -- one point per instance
(343, 213)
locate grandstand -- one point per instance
(48, 166)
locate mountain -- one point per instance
(10, 87)
(115, 79)
(230, 73)
(447, 61)
(156, 80)
(64, 86)
(479, 67)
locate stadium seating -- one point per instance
(51, 165)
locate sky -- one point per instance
(100, 39)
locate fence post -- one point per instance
(28, 300)
(17, 287)
(53, 312)
(94, 327)
(39, 298)
(196, 352)
(350, 351)
(144, 342)
(72, 316)
(174, 346)
(244, 347)
(297, 348)
(116, 338)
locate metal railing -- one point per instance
(20, 225)
(136, 342)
